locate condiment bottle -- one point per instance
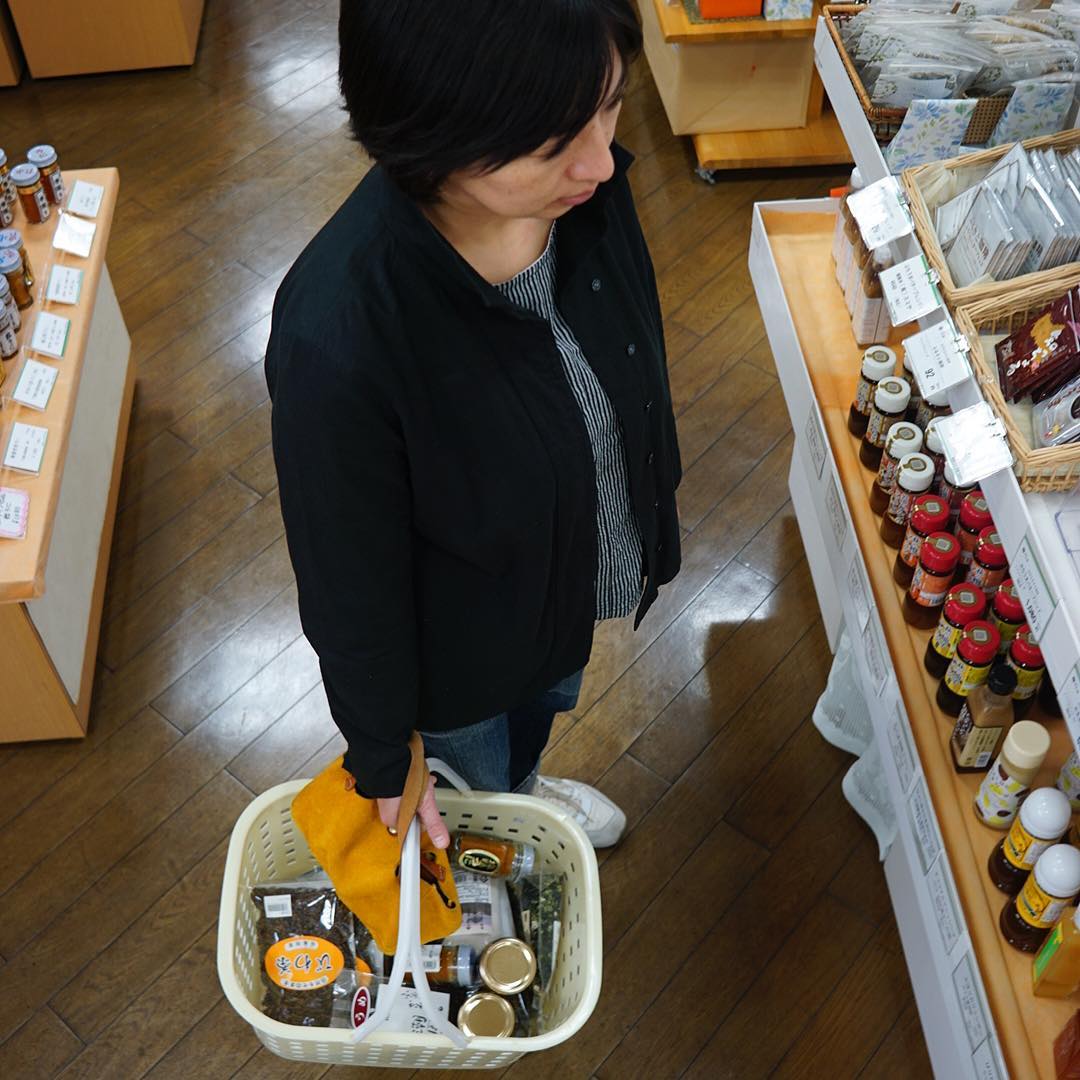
(870, 314)
(890, 403)
(847, 250)
(486, 1015)
(1048, 700)
(878, 363)
(7, 213)
(973, 518)
(930, 583)
(491, 856)
(7, 188)
(843, 213)
(9, 344)
(985, 717)
(1026, 659)
(1007, 614)
(975, 653)
(11, 266)
(1049, 889)
(951, 491)
(45, 159)
(935, 449)
(989, 567)
(31, 193)
(914, 476)
(1068, 781)
(928, 515)
(965, 604)
(1005, 785)
(903, 439)
(7, 303)
(1055, 971)
(860, 259)
(12, 238)
(1044, 816)
(451, 965)
(916, 393)
(930, 408)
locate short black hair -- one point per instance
(435, 86)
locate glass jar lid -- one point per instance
(487, 1015)
(25, 175)
(41, 156)
(508, 966)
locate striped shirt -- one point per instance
(619, 545)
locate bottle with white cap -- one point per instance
(878, 362)
(903, 439)
(846, 231)
(1048, 891)
(916, 393)
(890, 404)
(1043, 820)
(930, 408)
(913, 477)
(1004, 786)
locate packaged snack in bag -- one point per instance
(1057, 419)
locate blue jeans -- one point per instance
(503, 752)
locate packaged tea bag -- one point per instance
(1057, 419)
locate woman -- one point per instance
(471, 418)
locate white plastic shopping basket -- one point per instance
(267, 846)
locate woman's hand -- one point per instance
(430, 820)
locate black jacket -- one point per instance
(436, 476)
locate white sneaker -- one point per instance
(601, 819)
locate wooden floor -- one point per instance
(748, 931)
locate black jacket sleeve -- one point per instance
(345, 498)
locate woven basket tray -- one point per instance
(1038, 469)
(885, 123)
(914, 181)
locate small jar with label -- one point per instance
(964, 604)
(1047, 892)
(890, 403)
(11, 266)
(7, 303)
(1043, 820)
(9, 344)
(984, 720)
(976, 652)
(31, 192)
(1007, 613)
(989, 566)
(932, 407)
(7, 188)
(1010, 777)
(847, 250)
(903, 439)
(935, 449)
(451, 965)
(878, 362)
(843, 214)
(860, 259)
(48, 164)
(12, 238)
(914, 476)
(1068, 781)
(928, 515)
(952, 492)
(973, 518)
(7, 206)
(870, 314)
(930, 583)
(492, 857)
(1026, 659)
(916, 393)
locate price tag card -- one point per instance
(859, 592)
(1069, 699)
(74, 234)
(1030, 581)
(986, 1062)
(35, 385)
(50, 334)
(14, 513)
(975, 444)
(970, 1001)
(943, 901)
(937, 358)
(407, 1012)
(26, 448)
(881, 212)
(924, 825)
(903, 749)
(910, 292)
(838, 519)
(875, 656)
(815, 439)
(65, 285)
(85, 199)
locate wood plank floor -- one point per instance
(748, 931)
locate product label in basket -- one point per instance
(303, 963)
(927, 590)
(432, 955)
(1037, 907)
(1021, 848)
(479, 861)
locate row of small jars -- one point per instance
(37, 183)
(16, 282)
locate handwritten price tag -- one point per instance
(85, 199)
(859, 592)
(937, 358)
(970, 1001)
(1069, 699)
(924, 825)
(14, 512)
(838, 519)
(26, 448)
(1035, 595)
(50, 334)
(903, 749)
(815, 439)
(880, 213)
(35, 385)
(910, 292)
(943, 901)
(65, 285)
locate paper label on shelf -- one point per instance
(14, 513)
(74, 234)
(910, 292)
(815, 439)
(50, 334)
(924, 825)
(1069, 699)
(65, 285)
(937, 358)
(880, 212)
(26, 448)
(875, 656)
(943, 901)
(35, 385)
(859, 592)
(986, 1062)
(975, 444)
(970, 1001)
(838, 519)
(1030, 581)
(903, 749)
(86, 198)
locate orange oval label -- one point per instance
(303, 963)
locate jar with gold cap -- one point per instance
(44, 158)
(12, 238)
(31, 192)
(7, 188)
(486, 1015)
(11, 266)
(508, 966)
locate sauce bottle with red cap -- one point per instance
(878, 363)
(903, 439)
(974, 517)
(890, 403)
(964, 604)
(1026, 659)
(930, 583)
(928, 515)
(989, 567)
(976, 651)
(914, 476)
(1007, 613)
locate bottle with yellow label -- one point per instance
(1005, 785)
(984, 721)
(491, 856)
(1049, 889)
(1055, 971)
(1042, 822)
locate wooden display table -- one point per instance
(52, 582)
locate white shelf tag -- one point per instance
(910, 291)
(967, 996)
(1035, 595)
(35, 385)
(1069, 699)
(14, 512)
(815, 439)
(50, 334)
(937, 358)
(74, 234)
(903, 750)
(858, 591)
(65, 285)
(923, 825)
(85, 198)
(975, 443)
(26, 448)
(881, 212)
(875, 656)
(985, 1062)
(943, 901)
(834, 506)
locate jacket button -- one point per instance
(659, 548)
(595, 284)
(648, 406)
(631, 349)
(651, 458)
(656, 505)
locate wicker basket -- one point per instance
(1038, 469)
(914, 181)
(885, 123)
